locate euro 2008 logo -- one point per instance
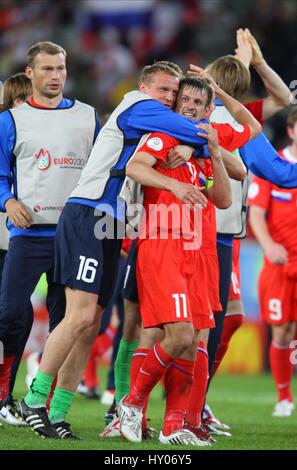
(44, 159)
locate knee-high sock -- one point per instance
(199, 386)
(49, 398)
(5, 370)
(101, 344)
(231, 325)
(39, 390)
(178, 383)
(153, 368)
(90, 372)
(122, 368)
(136, 363)
(138, 358)
(282, 369)
(60, 404)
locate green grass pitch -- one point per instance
(243, 402)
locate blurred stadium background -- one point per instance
(108, 41)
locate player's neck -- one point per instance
(45, 101)
(293, 150)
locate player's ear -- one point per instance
(290, 132)
(142, 87)
(207, 111)
(29, 72)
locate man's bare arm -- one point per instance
(234, 166)
(220, 193)
(249, 52)
(275, 252)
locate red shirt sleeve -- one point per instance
(232, 137)
(158, 145)
(259, 193)
(256, 109)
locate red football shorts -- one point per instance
(172, 284)
(277, 294)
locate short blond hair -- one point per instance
(17, 86)
(165, 66)
(46, 47)
(231, 75)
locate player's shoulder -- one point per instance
(159, 141)
(17, 110)
(138, 100)
(229, 127)
(259, 187)
(6, 119)
(81, 104)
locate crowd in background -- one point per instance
(108, 41)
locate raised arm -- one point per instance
(238, 110)
(243, 51)
(279, 95)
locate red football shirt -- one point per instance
(281, 210)
(159, 145)
(256, 109)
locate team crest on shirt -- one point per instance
(253, 190)
(236, 126)
(44, 159)
(155, 143)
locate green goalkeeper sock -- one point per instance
(60, 404)
(39, 390)
(122, 368)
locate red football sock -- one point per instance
(104, 341)
(137, 361)
(48, 400)
(5, 370)
(90, 373)
(282, 369)
(101, 344)
(198, 390)
(231, 325)
(153, 368)
(138, 358)
(178, 383)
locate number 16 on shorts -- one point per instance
(87, 269)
